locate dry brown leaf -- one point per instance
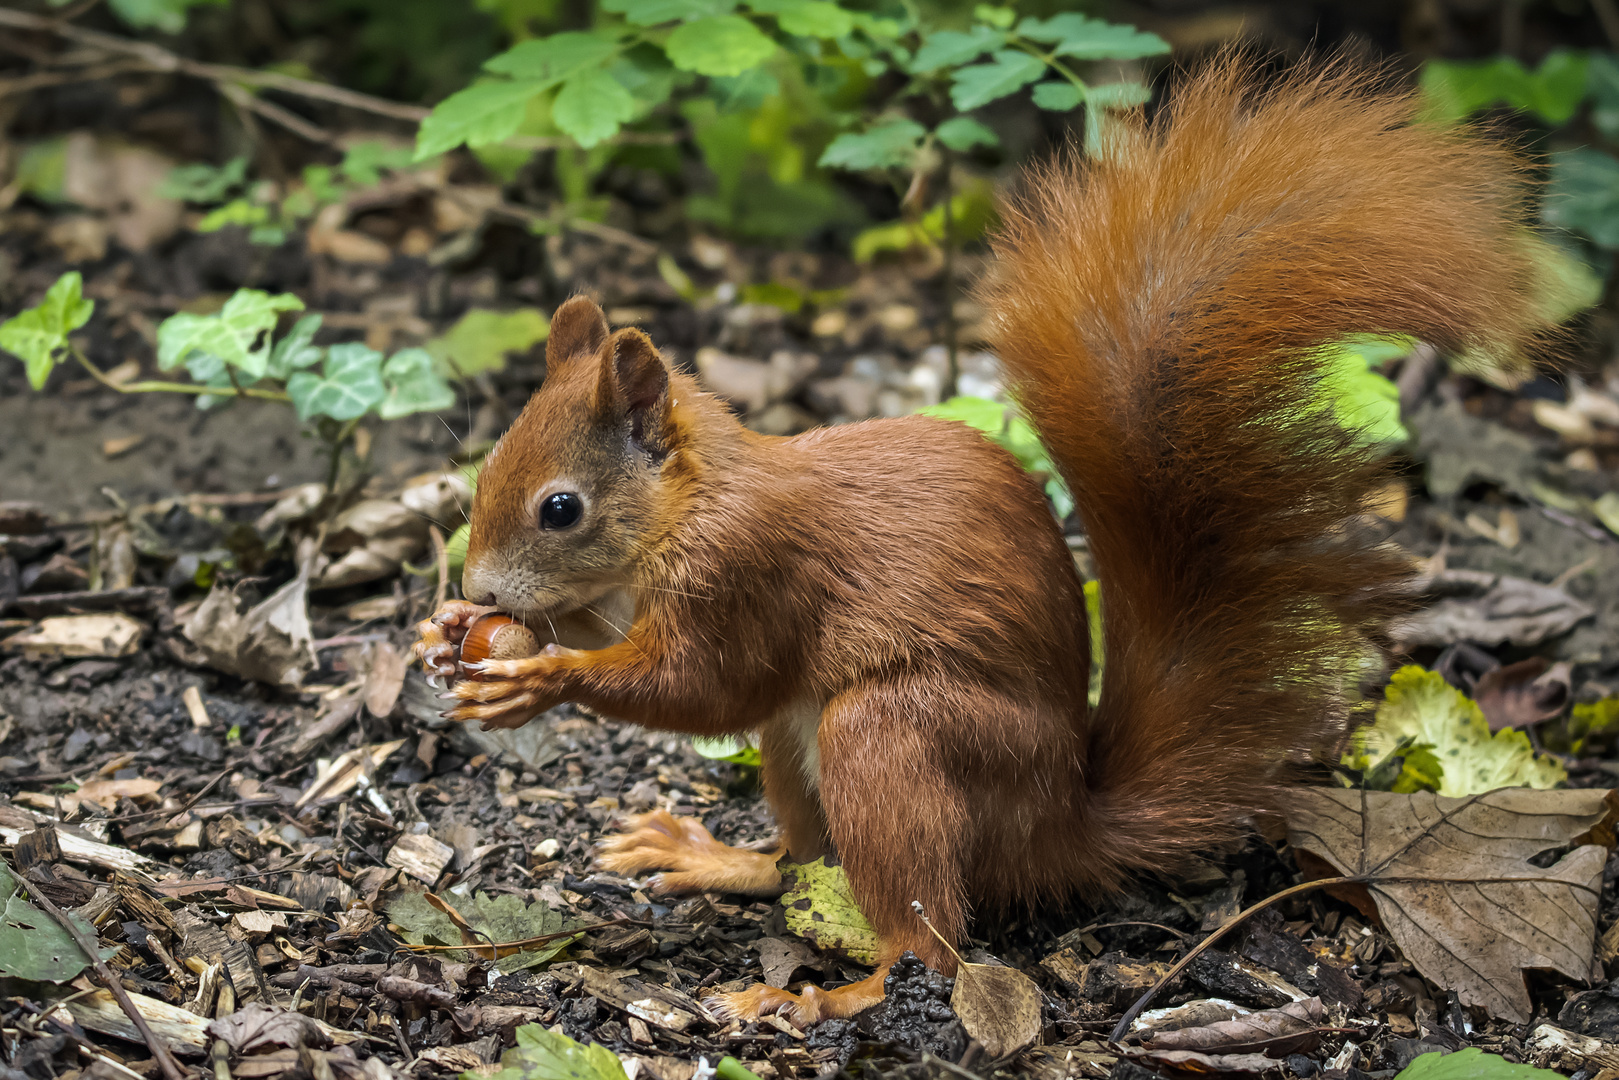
(1292, 1029)
(1452, 881)
(999, 1006)
(106, 793)
(385, 679)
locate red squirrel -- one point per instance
(890, 604)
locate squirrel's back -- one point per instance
(1160, 309)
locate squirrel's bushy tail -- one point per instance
(1159, 310)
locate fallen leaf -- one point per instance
(1517, 695)
(256, 1027)
(1452, 880)
(1445, 741)
(385, 679)
(781, 958)
(33, 945)
(821, 909)
(1293, 1028)
(112, 448)
(480, 340)
(545, 1055)
(999, 1006)
(77, 636)
(271, 642)
(498, 919)
(1470, 1063)
(1489, 609)
(106, 793)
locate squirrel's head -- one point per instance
(574, 492)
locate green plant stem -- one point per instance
(153, 386)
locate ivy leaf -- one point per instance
(1554, 91)
(39, 334)
(961, 133)
(880, 147)
(1584, 194)
(1470, 1063)
(718, 45)
(591, 106)
(1086, 38)
(981, 84)
(232, 334)
(821, 909)
(552, 59)
(1605, 93)
(499, 919)
(1118, 95)
(547, 1055)
(413, 385)
(807, 18)
(349, 385)
(1057, 95)
(479, 115)
(296, 350)
(1422, 711)
(948, 48)
(652, 12)
(480, 339)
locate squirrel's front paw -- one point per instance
(439, 640)
(507, 693)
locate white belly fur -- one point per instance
(799, 722)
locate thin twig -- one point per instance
(41, 80)
(157, 58)
(244, 98)
(160, 1051)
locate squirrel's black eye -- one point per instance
(561, 510)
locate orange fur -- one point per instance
(900, 583)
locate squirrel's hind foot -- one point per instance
(810, 1006)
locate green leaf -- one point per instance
(350, 383)
(821, 909)
(455, 548)
(33, 945)
(364, 161)
(980, 84)
(887, 145)
(1057, 95)
(38, 335)
(204, 183)
(1363, 401)
(1583, 195)
(233, 334)
(652, 12)
(962, 133)
(1456, 90)
(1471, 1063)
(732, 748)
(413, 385)
(480, 339)
(1422, 711)
(545, 1055)
(550, 60)
(479, 115)
(1594, 719)
(1086, 38)
(950, 48)
(1605, 93)
(1118, 95)
(807, 18)
(718, 45)
(1093, 620)
(169, 16)
(243, 212)
(295, 351)
(591, 106)
(503, 918)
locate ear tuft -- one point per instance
(578, 328)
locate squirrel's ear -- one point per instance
(637, 381)
(578, 328)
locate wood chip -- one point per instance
(420, 856)
(77, 636)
